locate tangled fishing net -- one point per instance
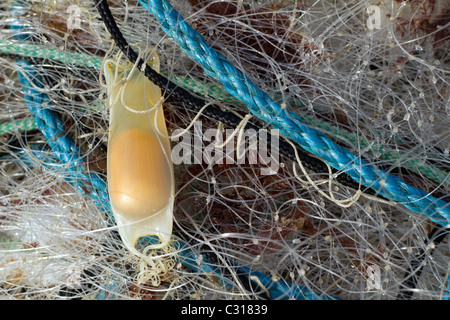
(373, 76)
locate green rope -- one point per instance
(219, 93)
(9, 244)
(20, 125)
(41, 51)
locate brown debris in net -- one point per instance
(55, 27)
(236, 209)
(145, 292)
(239, 211)
(428, 18)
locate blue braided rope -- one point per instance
(289, 124)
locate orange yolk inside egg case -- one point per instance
(140, 170)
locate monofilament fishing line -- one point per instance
(308, 143)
